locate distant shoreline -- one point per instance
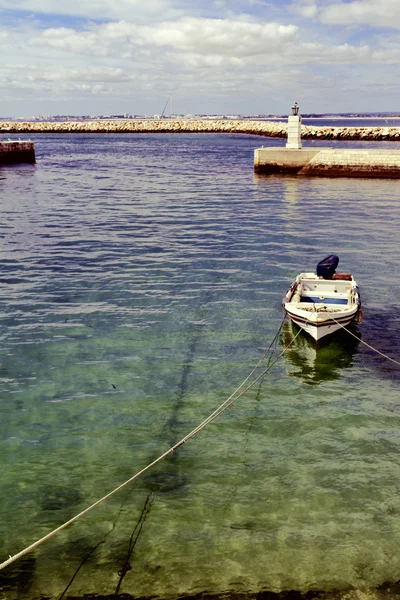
(231, 126)
(84, 119)
(335, 118)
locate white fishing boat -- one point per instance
(323, 302)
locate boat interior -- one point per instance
(323, 291)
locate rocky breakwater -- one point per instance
(351, 133)
(148, 126)
(252, 127)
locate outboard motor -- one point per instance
(327, 267)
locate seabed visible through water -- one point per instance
(141, 282)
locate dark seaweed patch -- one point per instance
(18, 576)
(167, 481)
(59, 498)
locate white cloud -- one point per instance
(137, 10)
(123, 59)
(382, 13)
(375, 13)
(204, 62)
(204, 37)
(219, 4)
(64, 79)
(305, 8)
(221, 37)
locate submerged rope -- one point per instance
(133, 541)
(241, 390)
(396, 362)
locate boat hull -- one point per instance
(318, 329)
(320, 306)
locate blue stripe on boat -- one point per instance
(316, 299)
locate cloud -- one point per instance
(180, 46)
(374, 13)
(204, 37)
(137, 10)
(213, 63)
(220, 37)
(305, 8)
(65, 79)
(385, 13)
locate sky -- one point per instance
(248, 57)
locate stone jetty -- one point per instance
(16, 151)
(277, 129)
(313, 160)
(329, 162)
(343, 162)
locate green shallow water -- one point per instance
(141, 281)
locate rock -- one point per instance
(264, 128)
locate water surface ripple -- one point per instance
(141, 279)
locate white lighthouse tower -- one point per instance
(294, 129)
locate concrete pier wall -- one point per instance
(329, 162)
(248, 126)
(17, 152)
(355, 163)
(283, 160)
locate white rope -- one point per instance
(396, 362)
(226, 404)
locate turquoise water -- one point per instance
(141, 280)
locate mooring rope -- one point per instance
(224, 406)
(133, 541)
(396, 362)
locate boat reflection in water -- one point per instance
(322, 361)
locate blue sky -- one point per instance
(210, 56)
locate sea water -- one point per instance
(141, 281)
